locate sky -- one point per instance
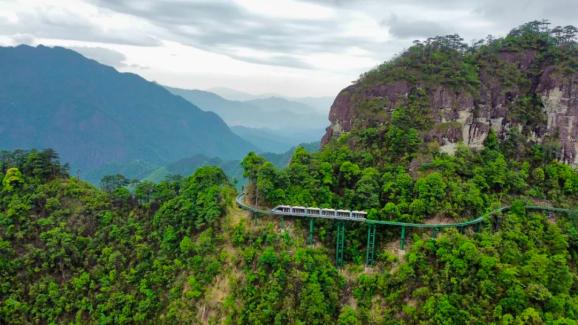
(286, 47)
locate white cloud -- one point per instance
(287, 9)
(307, 47)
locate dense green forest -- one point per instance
(177, 252)
(180, 252)
(517, 269)
(388, 165)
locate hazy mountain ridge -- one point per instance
(277, 141)
(232, 168)
(321, 103)
(95, 116)
(270, 112)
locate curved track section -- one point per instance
(478, 220)
(241, 203)
(372, 224)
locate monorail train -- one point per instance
(309, 211)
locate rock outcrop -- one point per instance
(466, 116)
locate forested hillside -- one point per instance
(180, 252)
(390, 158)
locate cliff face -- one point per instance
(506, 80)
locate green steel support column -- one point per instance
(402, 241)
(478, 226)
(572, 215)
(282, 223)
(370, 244)
(311, 225)
(340, 243)
(434, 232)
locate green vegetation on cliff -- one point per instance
(73, 253)
(179, 252)
(175, 252)
(522, 84)
(521, 268)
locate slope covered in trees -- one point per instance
(178, 252)
(175, 252)
(71, 252)
(521, 268)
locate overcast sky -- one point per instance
(293, 48)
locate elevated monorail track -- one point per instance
(342, 216)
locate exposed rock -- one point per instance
(460, 116)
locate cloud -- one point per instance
(72, 20)
(26, 39)
(506, 13)
(224, 26)
(102, 55)
(280, 60)
(263, 43)
(413, 29)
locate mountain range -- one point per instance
(277, 141)
(97, 117)
(266, 112)
(232, 168)
(321, 103)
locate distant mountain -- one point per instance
(277, 141)
(321, 104)
(232, 112)
(271, 113)
(279, 104)
(232, 168)
(136, 169)
(232, 94)
(265, 139)
(187, 166)
(96, 117)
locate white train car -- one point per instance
(343, 213)
(314, 211)
(318, 212)
(298, 210)
(359, 214)
(328, 212)
(282, 208)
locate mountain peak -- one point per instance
(94, 115)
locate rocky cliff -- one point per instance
(527, 81)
